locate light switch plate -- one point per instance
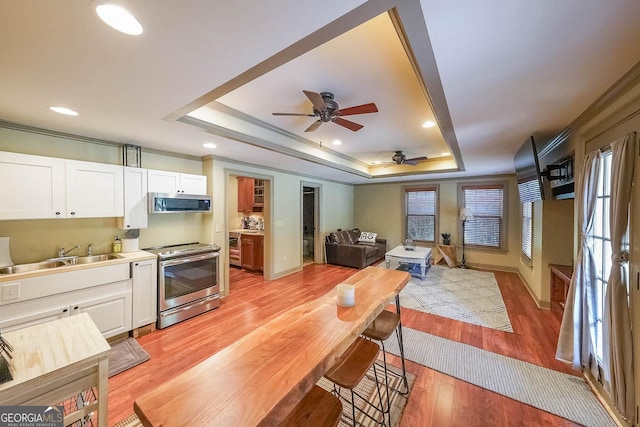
(10, 291)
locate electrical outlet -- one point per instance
(284, 258)
(218, 228)
(10, 291)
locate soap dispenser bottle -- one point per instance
(117, 245)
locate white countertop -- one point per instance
(123, 257)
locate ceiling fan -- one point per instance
(399, 158)
(327, 110)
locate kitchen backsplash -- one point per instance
(252, 223)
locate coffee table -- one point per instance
(418, 255)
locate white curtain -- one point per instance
(577, 330)
(617, 338)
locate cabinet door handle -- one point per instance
(57, 213)
(75, 308)
(73, 213)
(65, 310)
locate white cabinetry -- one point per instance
(173, 182)
(94, 190)
(33, 186)
(102, 292)
(46, 187)
(135, 199)
(144, 275)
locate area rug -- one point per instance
(366, 387)
(456, 293)
(555, 392)
(125, 354)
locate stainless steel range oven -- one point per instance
(188, 281)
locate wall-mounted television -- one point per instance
(528, 173)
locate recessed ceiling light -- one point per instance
(337, 142)
(429, 124)
(445, 154)
(377, 162)
(209, 145)
(63, 110)
(117, 17)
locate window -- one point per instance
(602, 246)
(487, 228)
(527, 230)
(420, 208)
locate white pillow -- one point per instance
(367, 237)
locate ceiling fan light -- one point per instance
(210, 145)
(337, 142)
(429, 124)
(117, 18)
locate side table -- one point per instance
(446, 253)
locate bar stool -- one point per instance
(380, 329)
(349, 370)
(318, 408)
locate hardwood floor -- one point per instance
(436, 399)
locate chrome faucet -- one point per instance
(62, 253)
(89, 249)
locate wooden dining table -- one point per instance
(258, 379)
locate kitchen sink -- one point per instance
(92, 258)
(21, 268)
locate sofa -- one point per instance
(353, 248)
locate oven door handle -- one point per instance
(185, 260)
(190, 306)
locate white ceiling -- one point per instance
(210, 71)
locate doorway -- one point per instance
(309, 223)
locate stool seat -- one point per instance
(354, 363)
(383, 326)
(318, 408)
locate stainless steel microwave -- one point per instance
(178, 202)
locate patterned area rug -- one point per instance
(462, 294)
(366, 387)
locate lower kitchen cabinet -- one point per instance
(252, 252)
(109, 306)
(144, 275)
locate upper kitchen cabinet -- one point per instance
(47, 187)
(34, 187)
(135, 199)
(250, 194)
(173, 182)
(94, 190)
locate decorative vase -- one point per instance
(408, 245)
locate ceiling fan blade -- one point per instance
(417, 159)
(358, 109)
(315, 125)
(316, 100)
(348, 124)
(294, 114)
(414, 161)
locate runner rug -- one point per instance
(366, 387)
(462, 294)
(561, 394)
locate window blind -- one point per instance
(487, 205)
(420, 208)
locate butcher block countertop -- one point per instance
(56, 360)
(258, 379)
